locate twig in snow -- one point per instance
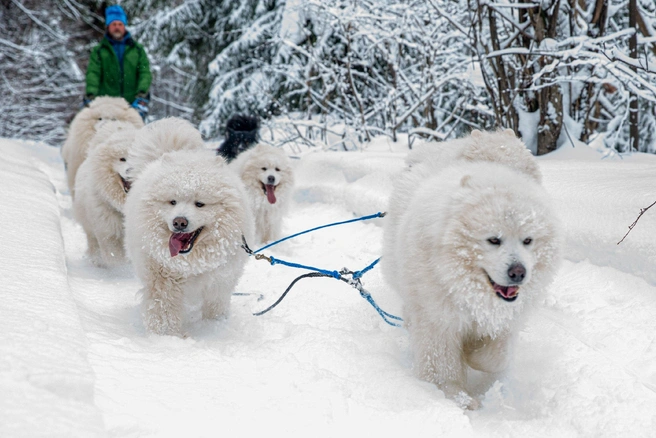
(642, 211)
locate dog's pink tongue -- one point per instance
(177, 241)
(270, 192)
(506, 291)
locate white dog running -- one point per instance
(469, 245)
(83, 129)
(184, 218)
(102, 186)
(269, 180)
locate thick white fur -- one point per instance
(254, 167)
(83, 129)
(98, 205)
(162, 136)
(501, 147)
(437, 256)
(208, 274)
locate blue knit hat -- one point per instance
(115, 13)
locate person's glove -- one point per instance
(141, 105)
(86, 100)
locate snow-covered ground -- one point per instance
(75, 359)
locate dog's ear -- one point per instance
(509, 133)
(476, 133)
(466, 181)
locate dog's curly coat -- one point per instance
(469, 243)
(184, 220)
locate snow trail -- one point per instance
(323, 363)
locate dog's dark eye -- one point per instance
(528, 241)
(494, 241)
(173, 202)
(264, 169)
(122, 159)
(199, 204)
(277, 170)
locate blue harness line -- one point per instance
(363, 218)
(352, 278)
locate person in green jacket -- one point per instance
(119, 66)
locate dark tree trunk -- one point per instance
(633, 103)
(550, 98)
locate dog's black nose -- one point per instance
(271, 179)
(180, 223)
(516, 272)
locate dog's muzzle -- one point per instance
(507, 293)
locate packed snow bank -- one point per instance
(361, 182)
(607, 191)
(46, 382)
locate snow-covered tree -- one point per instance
(376, 66)
(562, 68)
(559, 69)
(41, 81)
(203, 45)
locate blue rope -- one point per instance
(333, 274)
(354, 281)
(359, 274)
(363, 218)
(386, 316)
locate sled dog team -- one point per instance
(470, 238)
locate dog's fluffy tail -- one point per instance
(242, 132)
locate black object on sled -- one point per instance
(242, 132)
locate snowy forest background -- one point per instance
(553, 70)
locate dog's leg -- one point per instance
(216, 297)
(215, 304)
(111, 250)
(439, 358)
(489, 355)
(110, 238)
(162, 305)
(93, 249)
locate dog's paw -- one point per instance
(466, 401)
(161, 321)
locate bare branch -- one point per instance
(642, 211)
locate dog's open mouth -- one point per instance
(125, 184)
(508, 293)
(270, 192)
(182, 243)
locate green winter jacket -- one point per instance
(104, 72)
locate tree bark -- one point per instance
(633, 99)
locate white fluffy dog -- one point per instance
(269, 180)
(102, 186)
(162, 136)
(184, 219)
(83, 129)
(469, 246)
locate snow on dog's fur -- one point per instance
(269, 180)
(470, 245)
(184, 219)
(84, 126)
(101, 186)
(162, 136)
